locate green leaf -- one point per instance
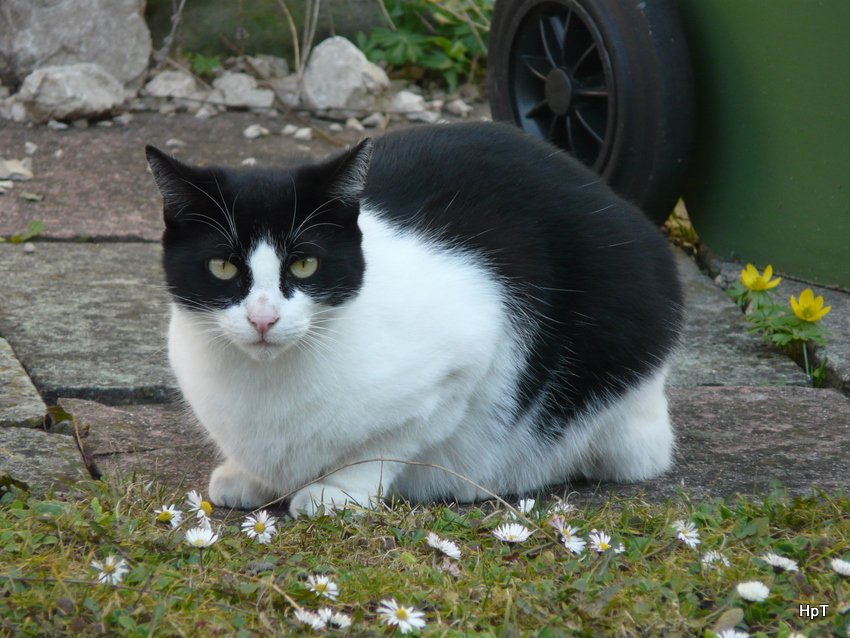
(33, 230)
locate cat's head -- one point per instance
(258, 255)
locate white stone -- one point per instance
(375, 120)
(338, 76)
(354, 124)
(174, 142)
(30, 148)
(240, 90)
(289, 129)
(303, 134)
(70, 92)
(111, 33)
(458, 107)
(18, 111)
(15, 170)
(167, 108)
(429, 117)
(249, 161)
(206, 111)
(123, 119)
(254, 131)
(174, 84)
(336, 127)
(29, 247)
(407, 102)
(58, 153)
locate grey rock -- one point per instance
(70, 92)
(20, 403)
(175, 84)
(160, 442)
(340, 78)
(88, 320)
(111, 33)
(40, 460)
(716, 348)
(239, 90)
(287, 90)
(266, 67)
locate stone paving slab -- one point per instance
(40, 460)
(716, 348)
(160, 442)
(87, 320)
(731, 440)
(837, 349)
(99, 187)
(20, 403)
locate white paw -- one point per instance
(230, 486)
(310, 499)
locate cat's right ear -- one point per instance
(174, 179)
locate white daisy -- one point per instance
(449, 548)
(198, 505)
(733, 633)
(334, 619)
(712, 558)
(753, 590)
(600, 541)
(841, 567)
(572, 541)
(687, 533)
(562, 507)
(512, 533)
(260, 526)
(322, 586)
(169, 514)
(558, 523)
(309, 618)
(112, 570)
(405, 618)
(526, 505)
(201, 536)
(780, 563)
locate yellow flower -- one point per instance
(756, 281)
(809, 307)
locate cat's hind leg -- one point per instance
(231, 486)
(633, 438)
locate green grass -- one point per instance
(657, 587)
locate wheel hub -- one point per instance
(559, 91)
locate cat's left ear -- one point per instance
(350, 171)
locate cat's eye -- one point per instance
(222, 269)
(303, 268)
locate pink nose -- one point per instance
(263, 319)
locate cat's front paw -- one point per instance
(309, 500)
(230, 486)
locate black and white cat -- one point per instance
(459, 295)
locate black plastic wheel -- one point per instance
(609, 81)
